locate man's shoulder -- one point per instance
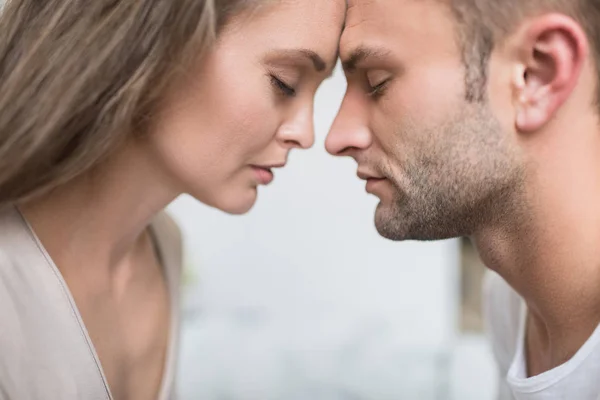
(502, 312)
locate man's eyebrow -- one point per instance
(318, 63)
(362, 54)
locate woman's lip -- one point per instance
(263, 175)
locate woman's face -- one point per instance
(236, 117)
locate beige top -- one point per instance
(45, 350)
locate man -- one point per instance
(480, 118)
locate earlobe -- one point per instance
(531, 116)
(554, 49)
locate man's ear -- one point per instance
(553, 49)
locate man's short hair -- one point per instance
(484, 23)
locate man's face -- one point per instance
(440, 165)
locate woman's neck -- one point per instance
(99, 219)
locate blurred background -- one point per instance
(302, 300)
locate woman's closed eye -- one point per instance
(282, 87)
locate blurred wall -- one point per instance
(301, 297)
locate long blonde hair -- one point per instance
(78, 76)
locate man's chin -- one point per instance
(399, 225)
(389, 223)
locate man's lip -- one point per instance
(373, 184)
(367, 176)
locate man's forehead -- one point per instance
(356, 6)
(382, 8)
(354, 3)
(361, 17)
(361, 12)
(356, 12)
(366, 17)
(375, 27)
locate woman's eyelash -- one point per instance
(283, 87)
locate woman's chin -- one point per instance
(234, 203)
(238, 209)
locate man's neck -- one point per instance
(559, 279)
(550, 254)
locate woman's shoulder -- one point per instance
(14, 237)
(164, 221)
(169, 240)
(41, 338)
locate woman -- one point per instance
(109, 110)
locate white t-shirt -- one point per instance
(505, 312)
